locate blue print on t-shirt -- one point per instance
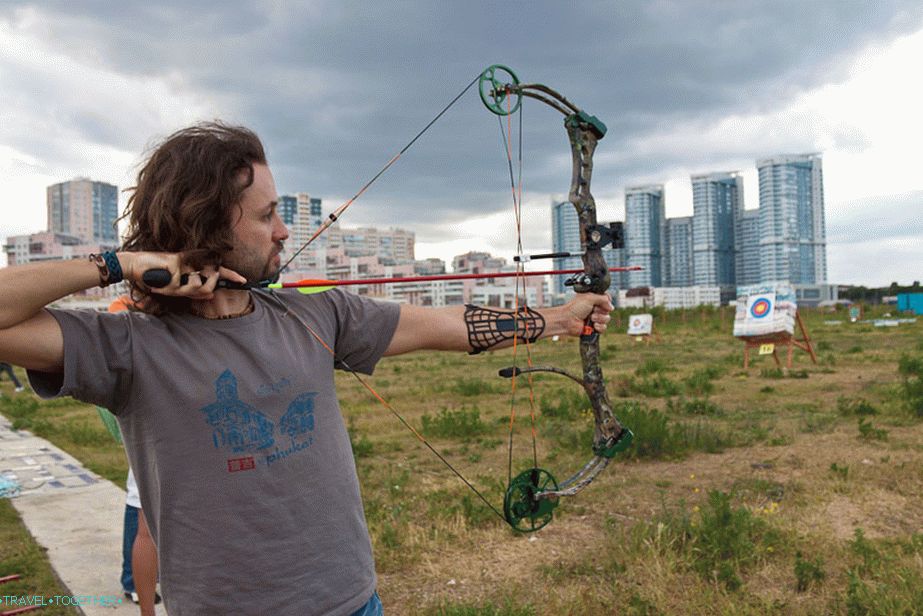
(237, 425)
(299, 418)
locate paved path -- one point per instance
(75, 514)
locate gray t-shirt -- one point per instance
(235, 434)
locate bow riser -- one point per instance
(583, 141)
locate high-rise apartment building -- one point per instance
(678, 268)
(84, 209)
(644, 234)
(793, 245)
(301, 213)
(748, 248)
(717, 202)
(565, 237)
(615, 257)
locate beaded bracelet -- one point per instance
(110, 270)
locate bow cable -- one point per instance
(516, 191)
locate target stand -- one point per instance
(769, 343)
(654, 336)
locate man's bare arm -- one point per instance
(32, 338)
(445, 329)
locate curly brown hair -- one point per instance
(185, 197)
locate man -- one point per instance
(226, 398)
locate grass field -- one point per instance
(757, 492)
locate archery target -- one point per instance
(760, 307)
(640, 325)
(765, 309)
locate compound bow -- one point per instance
(533, 494)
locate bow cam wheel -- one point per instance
(523, 507)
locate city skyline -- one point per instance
(80, 98)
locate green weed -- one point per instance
(816, 423)
(869, 432)
(854, 406)
(721, 544)
(808, 572)
(461, 423)
(729, 540)
(694, 406)
(571, 436)
(460, 501)
(700, 382)
(638, 606)
(564, 404)
(657, 386)
(360, 443)
(871, 557)
(651, 366)
(841, 472)
(878, 585)
(87, 434)
(656, 437)
(911, 371)
(475, 387)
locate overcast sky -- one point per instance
(336, 88)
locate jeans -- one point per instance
(9, 370)
(372, 608)
(128, 539)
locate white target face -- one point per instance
(640, 325)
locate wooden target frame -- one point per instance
(783, 339)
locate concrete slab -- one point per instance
(74, 514)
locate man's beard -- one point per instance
(257, 271)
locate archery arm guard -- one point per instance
(488, 327)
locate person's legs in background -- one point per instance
(129, 531)
(8, 369)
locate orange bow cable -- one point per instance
(516, 192)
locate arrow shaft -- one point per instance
(435, 277)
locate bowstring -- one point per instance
(516, 192)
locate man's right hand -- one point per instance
(200, 282)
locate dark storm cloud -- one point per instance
(336, 88)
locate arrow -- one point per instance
(158, 278)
